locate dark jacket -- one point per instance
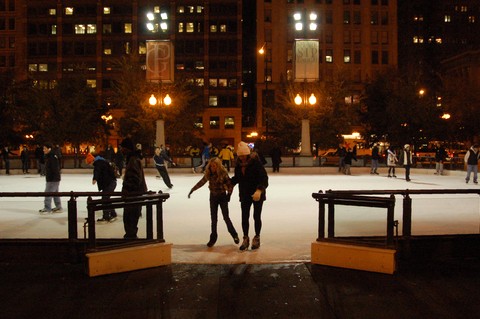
(103, 173)
(52, 167)
(255, 177)
(162, 158)
(440, 154)
(134, 178)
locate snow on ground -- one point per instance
(289, 216)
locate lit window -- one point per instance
(229, 122)
(346, 56)
(199, 65)
(417, 39)
(54, 29)
(418, 18)
(438, 40)
(190, 27)
(52, 12)
(91, 28)
(213, 100)
(199, 9)
(180, 66)
(223, 28)
(214, 122)
(180, 27)
(142, 48)
(213, 28)
(127, 27)
(107, 51)
(106, 10)
(447, 18)
(190, 9)
(329, 56)
(43, 67)
(222, 83)
(92, 83)
(69, 11)
(232, 83)
(200, 82)
(128, 48)
(79, 29)
(32, 67)
(213, 82)
(181, 9)
(471, 19)
(199, 123)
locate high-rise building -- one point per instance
(50, 38)
(431, 31)
(358, 37)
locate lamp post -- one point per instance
(107, 118)
(264, 51)
(311, 100)
(160, 123)
(306, 69)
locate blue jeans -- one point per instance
(470, 169)
(52, 187)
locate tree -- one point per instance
(327, 117)
(395, 110)
(64, 113)
(132, 92)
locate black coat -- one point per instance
(134, 178)
(255, 177)
(52, 167)
(103, 173)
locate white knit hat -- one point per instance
(243, 149)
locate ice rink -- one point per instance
(289, 216)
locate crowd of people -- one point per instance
(249, 174)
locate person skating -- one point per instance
(252, 180)
(391, 161)
(104, 177)
(52, 178)
(221, 188)
(471, 160)
(133, 183)
(160, 158)
(406, 159)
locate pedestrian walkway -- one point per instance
(291, 290)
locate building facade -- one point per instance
(356, 37)
(50, 38)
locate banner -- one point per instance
(160, 61)
(306, 59)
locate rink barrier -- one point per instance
(407, 206)
(353, 255)
(129, 255)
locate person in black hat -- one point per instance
(133, 183)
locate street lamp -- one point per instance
(311, 100)
(107, 118)
(306, 69)
(160, 123)
(264, 51)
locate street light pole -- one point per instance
(160, 123)
(306, 68)
(264, 51)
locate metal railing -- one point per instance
(148, 200)
(117, 200)
(366, 198)
(331, 199)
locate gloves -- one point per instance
(256, 196)
(190, 194)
